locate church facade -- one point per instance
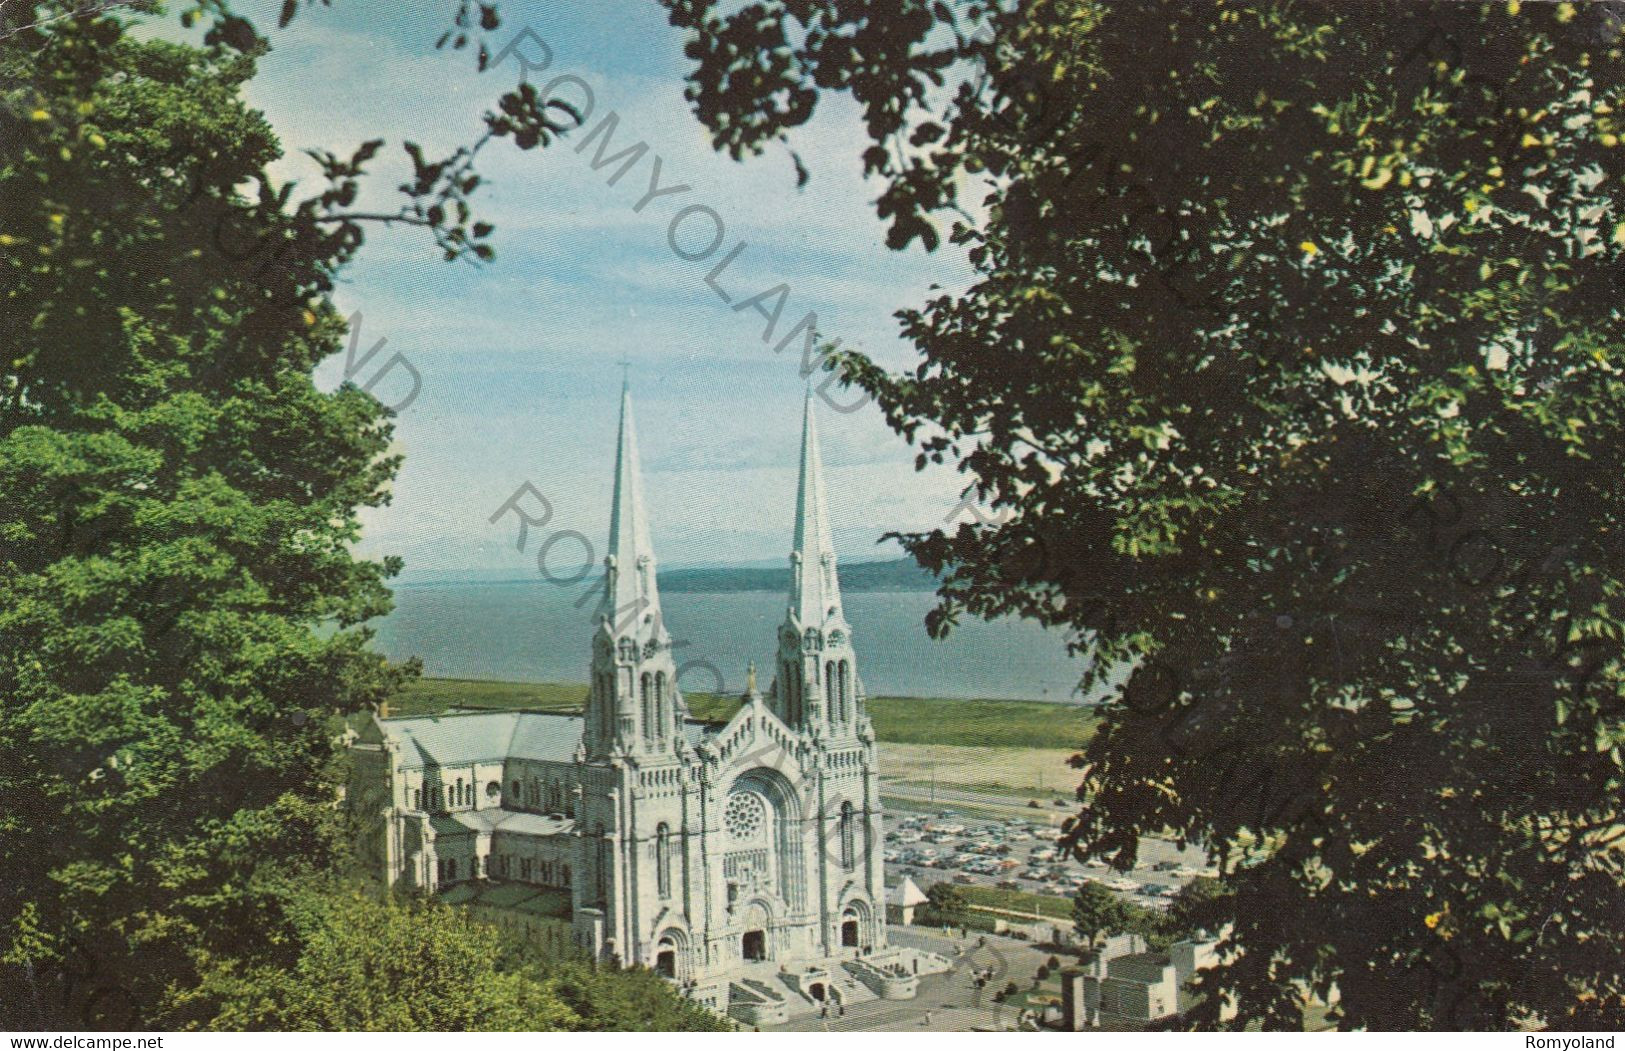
(692, 848)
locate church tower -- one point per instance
(633, 707)
(817, 689)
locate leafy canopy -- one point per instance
(1292, 377)
(180, 613)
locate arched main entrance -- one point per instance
(754, 943)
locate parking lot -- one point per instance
(1021, 854)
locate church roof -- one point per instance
(496, 819)
(475, 737)
(695, 731)
(549, 737)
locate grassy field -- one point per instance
(1041, 773)
(903, 720)
(1018, 901)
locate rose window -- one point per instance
(745, 817)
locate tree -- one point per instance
(362, 964)
(179, 607)
(1201, 907)
(945, 903)
(1097, 913)
(1290, 379)
(610, 998)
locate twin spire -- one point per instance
(632, 588)
(635, 704)
(815, 593)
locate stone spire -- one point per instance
(634, 705)
(816, 688)
(815, 593)
(632, 591)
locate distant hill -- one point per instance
(898, 575)
(902, 574)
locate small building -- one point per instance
(1121, 985)
(903, 896)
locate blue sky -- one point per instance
(520, 380)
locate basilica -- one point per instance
(711, 853)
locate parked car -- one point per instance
(961, 877)
(1010, 884)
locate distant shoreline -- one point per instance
(899, 720)
(896, 575)
(910, 698)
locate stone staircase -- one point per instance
(853, 992)
(754, 1002)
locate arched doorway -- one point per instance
(669, 952)
(756, 921)
(855, 926)
(816, 990)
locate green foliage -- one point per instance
(353, 962)
(1017, 901)
(1202, 906)
(179, 608)
(607, 998)
(949, 905)
(176, 505)
(945, 899)
(1292, 373)
(1098, 913)
(359, 964)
